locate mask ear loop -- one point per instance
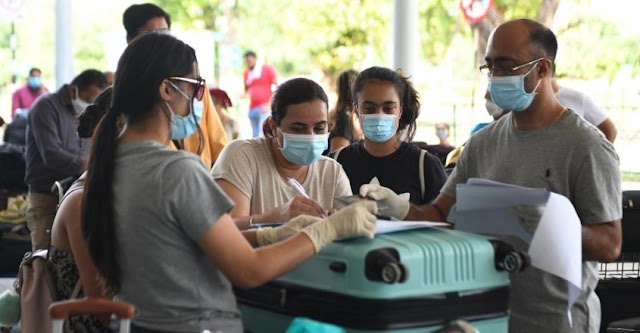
(534, 91)
(536, 87)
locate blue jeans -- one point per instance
(257, 118)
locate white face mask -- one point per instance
(78, 104)
(493, 109)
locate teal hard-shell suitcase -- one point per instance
(410, 281)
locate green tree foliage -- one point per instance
(266, 27)
(89, 54)
(301, 35)
(344, 32)
(582, 53)
(589, 47)
(512, 9)
(193, 14)
(440, 22)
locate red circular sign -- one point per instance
(475, 11)
(11, 9)
(11, 6)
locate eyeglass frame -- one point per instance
(507, 71)
(199, 83)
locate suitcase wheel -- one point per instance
(507, 258)
(384, 265)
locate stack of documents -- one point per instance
(488, 207)
(387, 226)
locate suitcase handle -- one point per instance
(93, 306)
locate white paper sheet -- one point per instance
(556, 245)
(385, 226)
(559, 233)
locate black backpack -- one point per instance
(12, 167)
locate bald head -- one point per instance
(526, 35)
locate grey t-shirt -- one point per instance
(164, 202)
(569, 157)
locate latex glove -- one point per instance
(270, 235)
(395, 206)
(356, 220)
(404, 196)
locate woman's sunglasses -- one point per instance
(199, 83)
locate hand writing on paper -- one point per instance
(298, 206)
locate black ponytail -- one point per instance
(98, 224)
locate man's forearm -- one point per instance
(609, 130)
(424, 213)
(437, 211)
(601, 242)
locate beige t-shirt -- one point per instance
(249, 166)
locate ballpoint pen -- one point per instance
(294, 183)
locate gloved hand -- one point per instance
(395, 206)
(270, 235)
(356, 220)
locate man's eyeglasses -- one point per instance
(490, 70)
(199, 83)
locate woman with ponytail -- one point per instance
(387, 105)
(156, 223)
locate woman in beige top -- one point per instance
(256, 173)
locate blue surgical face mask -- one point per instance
(34, 82)
(442, 133)
(378, 127)
(304, 149)
(508, 91)
(182, 127)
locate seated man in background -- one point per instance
(16, 130)
(444, 147)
